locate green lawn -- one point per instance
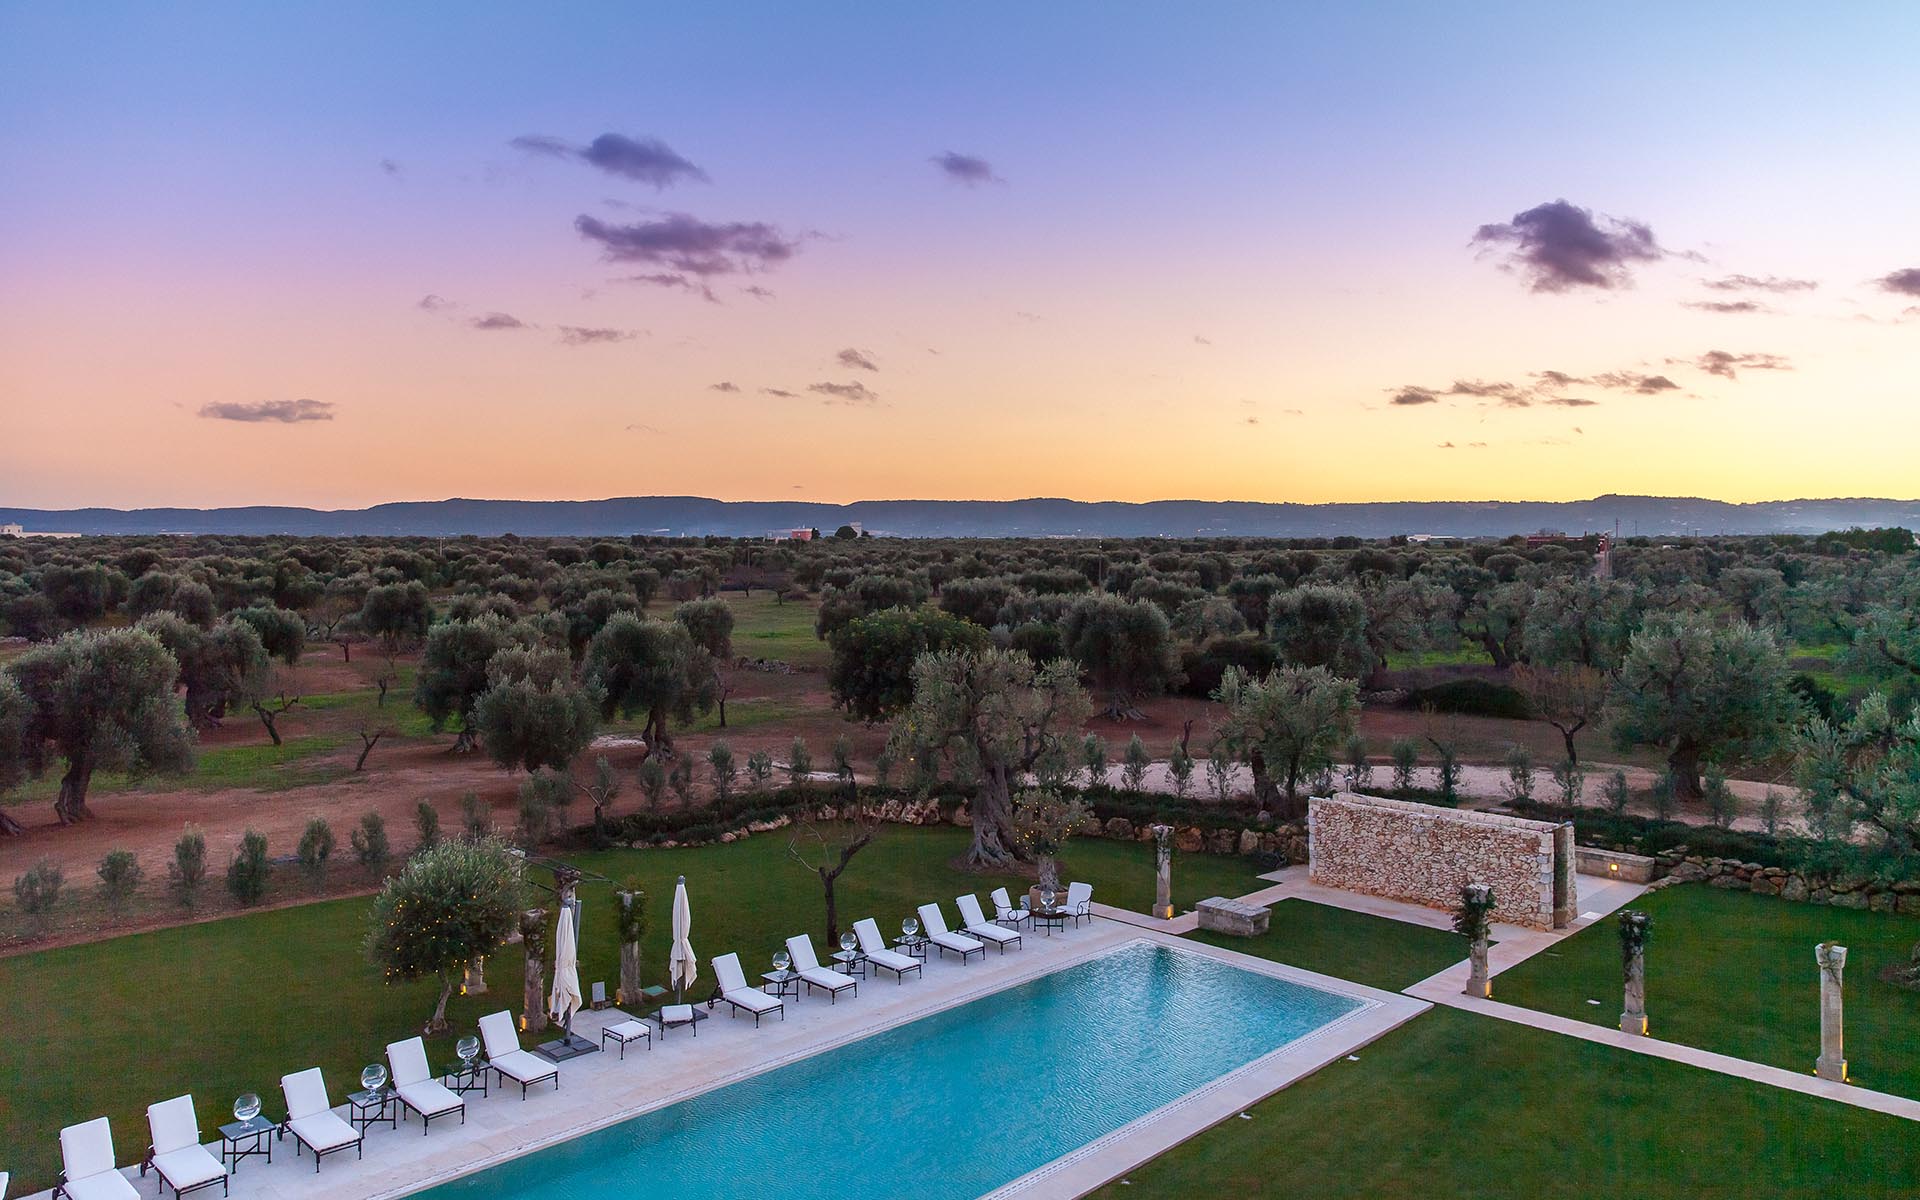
(764, 628)
(1453, 1105)
(1734, 973)
(264, 767)
(1461, 655)
(1370, 950)
(231, 1005)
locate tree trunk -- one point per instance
(268, 718)
(1266, 793)
(1566, 734)
(533, 1000)
(71, 805)
(366, 748)
(1496, 651)
(346, 651)
(439, 1022)
(1684, 764)
(993, 823)
(833, 910)
(463, 742)
(10, 827)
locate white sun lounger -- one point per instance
(417, 1087)
(736, 992)
(800, 947)
(184, 1164)
(975, 923)
(506, 1057)
(1005, 913)
(875, 948)
(1080, 902)
(311, 1119)
(935, 927)
(86, 1156)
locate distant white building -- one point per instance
(12, 529)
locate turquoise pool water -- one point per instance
(943, 1108)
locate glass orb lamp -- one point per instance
(467, 1048)
(246, 1108)
(373, 1077)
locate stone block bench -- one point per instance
(1234, 917)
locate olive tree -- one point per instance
(639, 665)
(1701, 691)
(1568, 696)
(871, 675)
(220, 668)
(999, 714)
(1126, 647)
(453, 672)
(13, 734)
(533, 714)
(100, 702)
(1288, 725)
(451, 904)
(1864, 770)
(1321, 626)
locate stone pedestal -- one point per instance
(629, 992)
(475, 981)
(1832, 1063)
(1235, 917)
(533, 1007)
(1163, 871)
(1633, 1014)
(1479, 983)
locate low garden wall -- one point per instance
(1425, 854)
(1875, 895)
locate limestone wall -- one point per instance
(1425, 854)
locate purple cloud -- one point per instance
(1904, 282)
(644, 160)
(1726, 306)
(844, 393)
(856, 359)
(723, 386)
(497, 321)
(1758, 283)
(1558, 247)
(1729, 366)
(783, 393)
(666, 279)
(580, 335)
(281, 412)
(691, 246)
(432, 303)
(965, 168)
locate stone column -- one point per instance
(1163, 871)
(533, 938)
(1633, 936)
(1479, 983)
(1566, 889)
(629, 959)
(475, 982)
(1832, 1063)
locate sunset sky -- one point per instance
(337, 254)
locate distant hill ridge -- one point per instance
(695, 515)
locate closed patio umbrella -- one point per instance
(682, 967)
(564, 1000)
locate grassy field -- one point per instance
(766, 628)
(1370, 950)
(1457, 1105)
(230, 1005)
(1734, 973)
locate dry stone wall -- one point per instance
(1425, 854)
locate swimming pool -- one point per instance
(948, 1107)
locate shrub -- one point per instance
(476, 818)
(1180, 769)
(316, 847)
(1519, 785)
(426, 826)
(1571, 778)
(1133, 772)
(369, 841)
(37, 890)
(1359, 768)
(799, 763)
(1770, 812)
(1406, 759)
(681, 779)
(1665, 796)
(188, 870)
(1721, 805)
(653, 781)
(760, 768)
(1472, 698)
(1093, 759)
(1618, 793)
(119, 874)
(249, 869)
(725, 771)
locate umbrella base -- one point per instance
(570, 1046)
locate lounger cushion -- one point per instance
(631, 1031)
(86, 1149)
(324, 1131)
(522, 1067)
(993, 933)
(753, 1000)
(892, 960)
(429, 1097)
(306, 1093)
(107, 1185)
(822, 977)
(497, 1031)
(409, 1061)
(173, 1125)
(188, 1167)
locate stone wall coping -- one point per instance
(1224, 904)
(1502, 820)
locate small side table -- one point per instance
(781, 984)
(462, 1078)
(1050, 919)
(659, 1018)
(244, 1139)
(370, 1108)
(853, 963)
(915, 946)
